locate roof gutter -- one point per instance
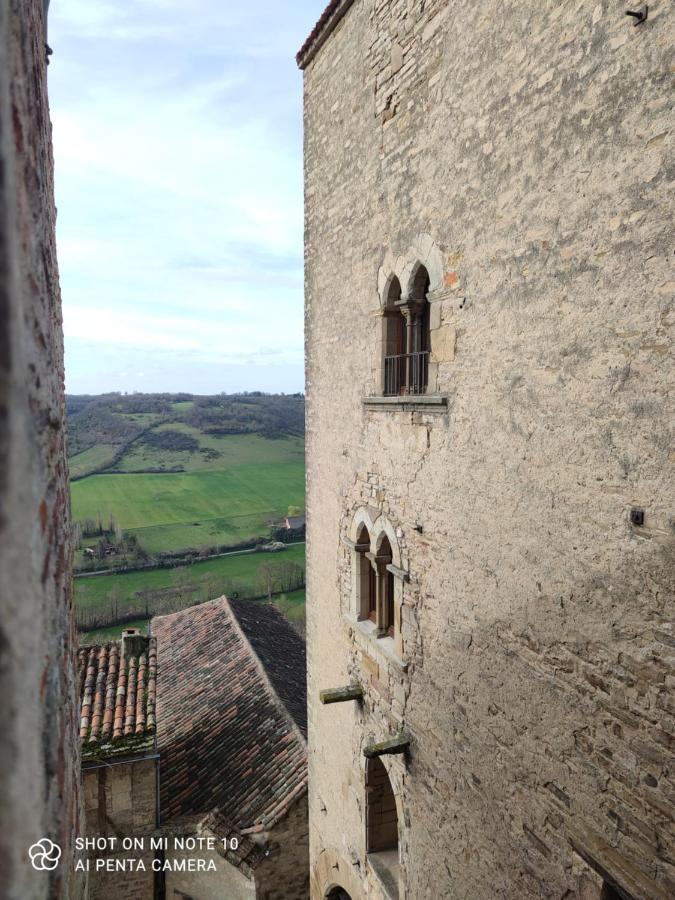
(322, 31)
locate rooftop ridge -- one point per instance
(327, 22)
(227, 740)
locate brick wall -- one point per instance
(39, 765)
(522, 152)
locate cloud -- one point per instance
(177, 134)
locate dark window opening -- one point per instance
(366, 574)
(381, 817)
(389, 605)
(384, 558)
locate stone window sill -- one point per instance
(382, 649)
(426, 402)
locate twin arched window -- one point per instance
(406, 337)
(376, 583)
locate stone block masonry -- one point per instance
(39, 748)
(521, 153)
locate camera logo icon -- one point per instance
(44, 855)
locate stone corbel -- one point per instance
(395, 745)
(401, 574)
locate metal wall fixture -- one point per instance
(45, 16)
(640, 15)
(637, 517)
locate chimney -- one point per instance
(133, 642)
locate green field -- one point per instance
(94, 589)
(90, 459)
(256, 481)
(176, 487)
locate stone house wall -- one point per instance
(522, 153)
(39, 747)
(226, 881)
(121, 801)
(284, 874)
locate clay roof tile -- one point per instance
(117, 694)
(226, 710)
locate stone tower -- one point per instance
(491, 525)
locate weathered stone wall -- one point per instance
(121, 798)
(120, 802)
(227, 880)
(39, 766)
(520, 152)
(284, 874)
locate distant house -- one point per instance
(221, 753)
(293, 523)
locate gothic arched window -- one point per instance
(394, 342)
(367, 581)
(406, 336)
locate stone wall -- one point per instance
(39, 749)
(284, 873)
(226, 881)
(121, 802)
(520, 152)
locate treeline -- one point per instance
(270, 415)
(113, 418)
(187, 589)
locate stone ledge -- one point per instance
(382, 650)
(426, 402)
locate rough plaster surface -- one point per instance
(521, 152)
(39, 749)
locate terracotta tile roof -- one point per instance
(117, 696)
(327, 22)
(282, 652)
(226, 740)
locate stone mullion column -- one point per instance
(374, 561)
(409, 342)
(380, 564)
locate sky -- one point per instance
(178, 156)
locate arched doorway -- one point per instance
(338, 893)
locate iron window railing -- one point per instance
(406, 373)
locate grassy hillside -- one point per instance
(212, 452)
(157, 474)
